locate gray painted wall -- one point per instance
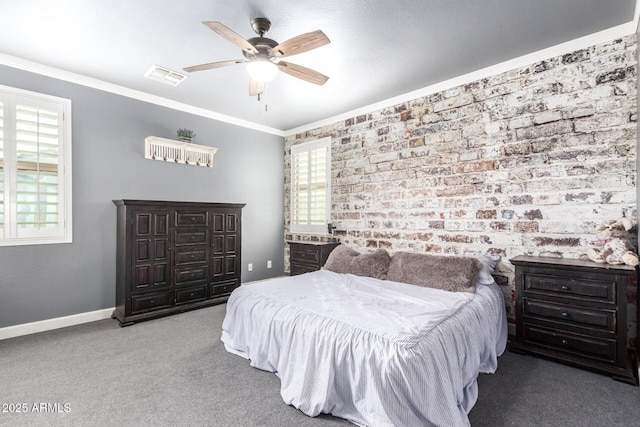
(47, 281)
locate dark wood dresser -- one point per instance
(174, 256)
(305, 257)
(575, 311)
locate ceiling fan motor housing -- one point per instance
(263, 45)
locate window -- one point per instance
(311, 186)
(35, 168)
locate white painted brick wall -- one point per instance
(530, 161)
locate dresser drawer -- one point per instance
(572, 315)
(191, 294)
(190, 237)
(604, 291)
(191, 218)
(153, 301)
(191, 255)
(603, 350)
(303, 254)
(191, 275)
(297, 268)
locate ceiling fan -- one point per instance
(262, 55)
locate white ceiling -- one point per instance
(379, 49)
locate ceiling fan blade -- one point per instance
(303, 73)
(212, 65)
(255, 87)
(301, 43)
(232, 36)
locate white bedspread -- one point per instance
(375, 352)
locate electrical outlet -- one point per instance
(250, 267)
(269, 264)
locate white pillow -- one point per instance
(489, 262)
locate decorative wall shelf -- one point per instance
(170, 150)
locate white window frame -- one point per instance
(306, 228)
(10, 234)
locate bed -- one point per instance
(377, 340)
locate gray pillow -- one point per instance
(456, 274)
(349, 261)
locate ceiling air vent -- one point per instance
(164, 75)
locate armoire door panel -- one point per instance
(143, 250)
(161, 224)
(218, 244)
(231, 223)
(218, 223)
(160, 275)
(230, 247)
(230, 264)
(142, 277)
(143, 224)
(218, 266)
(160, 249)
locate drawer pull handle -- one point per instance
(152, 301)
(191, 294)
(565, 342)
(564, 287)
(565, 314)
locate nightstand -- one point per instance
(305, 257)
(575, 311)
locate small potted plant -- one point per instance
(186, 135)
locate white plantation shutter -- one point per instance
(311, 186)
(36, 169)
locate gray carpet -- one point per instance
(175, 372)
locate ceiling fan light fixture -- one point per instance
(262, 70)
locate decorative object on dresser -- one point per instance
(575, 311)
(305, 257)
(175, 256)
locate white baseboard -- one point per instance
(56, 323)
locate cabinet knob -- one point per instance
(565, 342)
(564, 287)
(565, 314)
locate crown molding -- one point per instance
(521, 61)
(56, 73)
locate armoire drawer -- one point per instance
(191, 274)
(190, 255)
(192, 294)
(223, 288)
(141, 303)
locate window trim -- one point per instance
(308, 147)
(10, 96)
